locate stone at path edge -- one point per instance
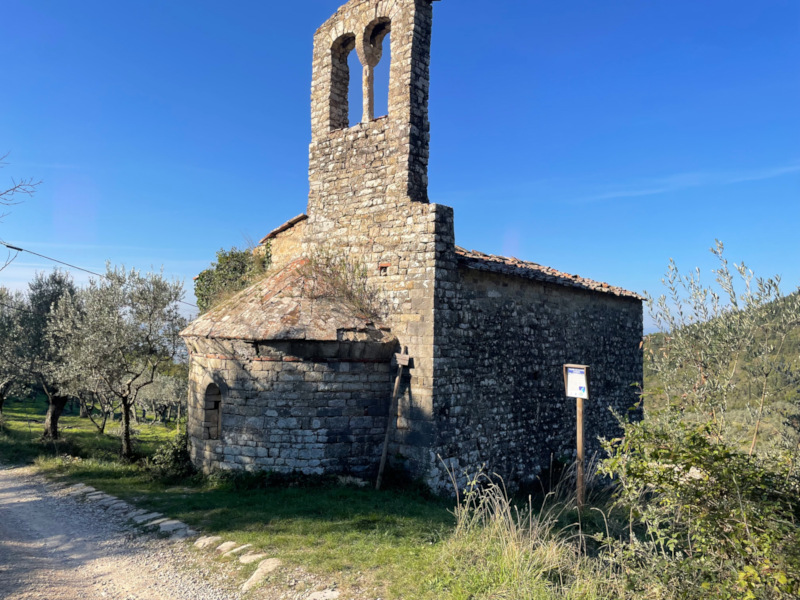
(206, 541)
(265, 568)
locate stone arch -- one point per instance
(340, 81)
(371, 47)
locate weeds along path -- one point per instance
(54, 547)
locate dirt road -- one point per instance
(56, 548)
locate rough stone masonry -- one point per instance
(284, 379)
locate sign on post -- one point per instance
(577, 381)
(576, 384)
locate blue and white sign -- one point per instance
(577, 381)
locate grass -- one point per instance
(393, 544)
(334, 530)
(23, 423)
(359, 536)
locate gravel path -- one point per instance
(55, 547)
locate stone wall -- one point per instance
(285, 246)
(501, 345)
(308, 408)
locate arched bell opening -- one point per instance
(377, 71)
(343, 61)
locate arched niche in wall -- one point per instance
(212, 412)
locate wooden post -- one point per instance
(403, 360)
(576, 384)
(581, 477)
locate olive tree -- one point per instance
(723, 345)
(168, 393)
(713, 510)
(10, 305)
(22, 187)
(118, 334)
(30, 359)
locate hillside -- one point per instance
(732, 378)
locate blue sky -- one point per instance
(600, 138)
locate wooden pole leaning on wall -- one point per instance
(403, 361)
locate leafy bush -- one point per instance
(244, 481)
(712, 499)
(234, 270)
(713, 521)
(727, 353)
(171, 461)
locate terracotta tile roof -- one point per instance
(288, 225)
(479, 261)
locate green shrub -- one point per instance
(171, 461)
(245, 481)
(713, 522)
(233, 271)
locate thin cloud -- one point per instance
(48, 166)
(767, 174)
(626, 194)
(17, 276)
(683, 181)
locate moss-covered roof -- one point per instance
(284, 307)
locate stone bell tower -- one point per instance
(384, 158)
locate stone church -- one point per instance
(286, 380)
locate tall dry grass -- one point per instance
(537, 551)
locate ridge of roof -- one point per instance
(288, 225)
(531, 270)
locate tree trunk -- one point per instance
(84, 414)
(760, 415)
(5, 388)
(54, 409)
(101, 426)
(127, 448)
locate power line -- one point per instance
(55, 260)
(20, 309)
(71, 266)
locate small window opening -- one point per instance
(355, 105)
(212, 418)
(382, 77)
(383, 269)
(377, 73)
